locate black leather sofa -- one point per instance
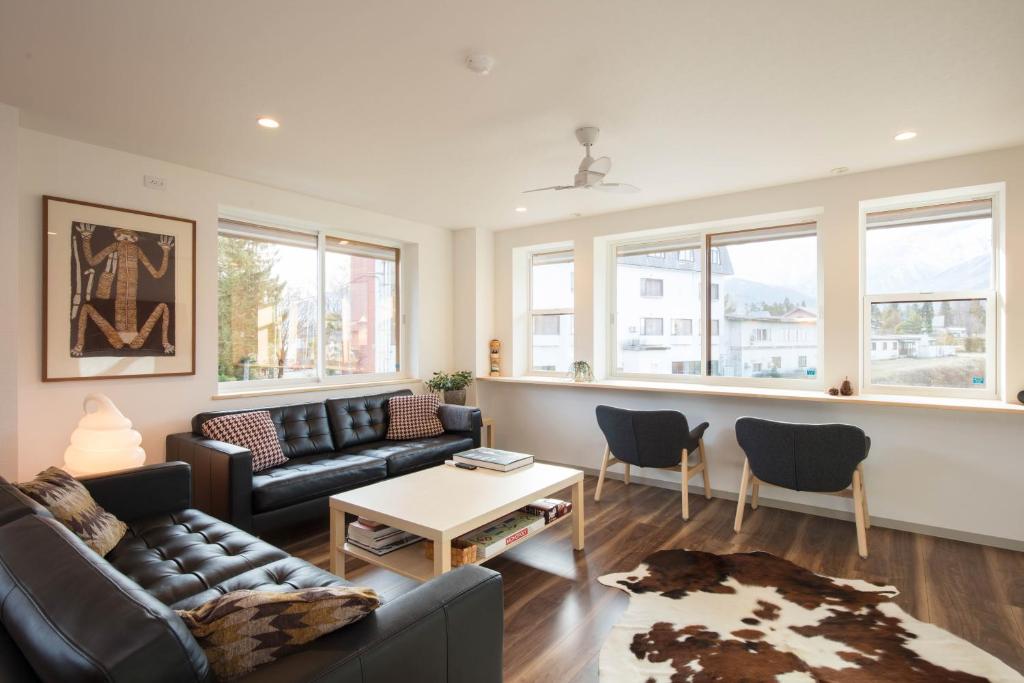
(67, 614)
(332, 446)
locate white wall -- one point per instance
(46, 413)
(960, 471)
(9, 326)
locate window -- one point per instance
(762, 286)
(769, 286)
(657, 254)
(270, 327)
(652, 287)
(682, 327)
(653, 327)
(929, 296)
(551, 310)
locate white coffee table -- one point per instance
(442, 503)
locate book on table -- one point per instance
(494, 459)
(510, 530)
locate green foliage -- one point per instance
(442, 381)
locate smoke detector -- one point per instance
(480, 63)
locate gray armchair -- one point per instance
(823, 458)
(653, 438)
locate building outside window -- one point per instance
(551, 311)
(930, 293)
(652, 287)
(682, 327)
(270, 326)
(653, 327)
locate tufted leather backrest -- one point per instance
(76, 618)
(14, 504)
(360, 419)
(303, 429)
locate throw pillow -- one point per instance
(413, 417)
(242, 629)
(253, 430)
(70, 503)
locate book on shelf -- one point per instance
(548, 508)
(494, 459)
(406, 540)
(510, 530)
(376, 535)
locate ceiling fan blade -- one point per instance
(553, 187)
(602, 166)
(616, 188)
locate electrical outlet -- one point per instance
(154, 183)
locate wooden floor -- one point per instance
(557, 615)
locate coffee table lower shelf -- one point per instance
(412, 562)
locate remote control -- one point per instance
(465, 466)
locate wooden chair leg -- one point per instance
(625, 478)
(858, 511)
(741, 501)
(684, 471)
(754, 493)
(600, 477)
(704, 472)
(864, 495)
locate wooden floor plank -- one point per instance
(557, 615)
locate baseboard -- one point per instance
(899, 525)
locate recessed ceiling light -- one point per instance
(520, 209)
(839, 170)
(268, 122)
(905, 135)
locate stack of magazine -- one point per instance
(493, 459)
(377, 538)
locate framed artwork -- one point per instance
(119, 292)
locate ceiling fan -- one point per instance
(592, 172)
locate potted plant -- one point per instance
(453, 385)
(580, 371)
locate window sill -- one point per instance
(308, 388)
(975, 405)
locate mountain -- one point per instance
(744, 293)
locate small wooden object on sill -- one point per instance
(462, 552)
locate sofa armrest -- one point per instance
(462, 419)
(221, 476)
(142, 491)
(447, 630)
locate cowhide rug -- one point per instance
(699, 617)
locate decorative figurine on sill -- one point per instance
(846, 389)
(833, 391)
(495, 348)
(580, 371)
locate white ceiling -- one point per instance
(694, 97)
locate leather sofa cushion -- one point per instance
(287, 574)
(14, 504)
(74, 617)
(360, 419)
(185, 553)
(303, 429)
(312, 477)
(408, 456)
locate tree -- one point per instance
(245, 283)
(946, 310)
(927, 317)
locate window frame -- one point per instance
(531, 311)
(994, 192)
(320, 377)
(700, 235)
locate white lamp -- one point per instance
(104, 440)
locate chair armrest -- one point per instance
(697, 432)
(143, 491)
(447, 630)
(221, 476)
(462, 419)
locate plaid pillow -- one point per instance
(253, 430)
(70, 502)
(242, 629)
(413, 417)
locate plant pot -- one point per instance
(455, 397)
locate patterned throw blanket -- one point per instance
(696, 616)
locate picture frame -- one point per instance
(119, 292)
